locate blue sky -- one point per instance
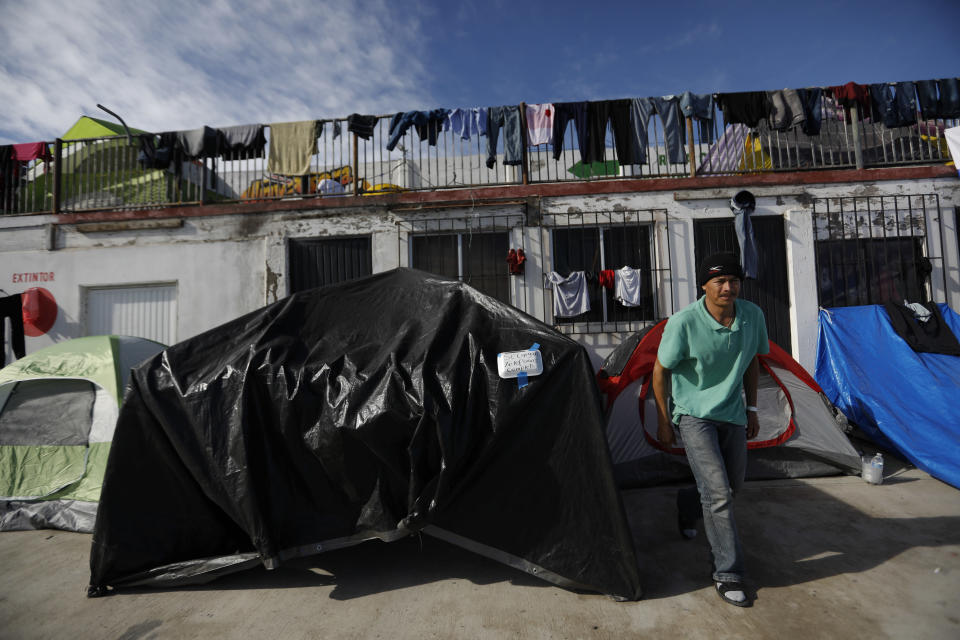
(180, 65)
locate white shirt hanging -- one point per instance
(626, 286)
(570, 295)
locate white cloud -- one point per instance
(179, 65)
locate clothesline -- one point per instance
(293, 143)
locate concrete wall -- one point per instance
(228, 265)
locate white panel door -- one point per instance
(147, 311)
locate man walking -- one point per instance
(706, 364)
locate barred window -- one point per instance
(478, 259)
(874, 250)
(600, 244)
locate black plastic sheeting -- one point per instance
(369, 409)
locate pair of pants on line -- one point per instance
(507, 117)
(674, 132)
(717, 453)
(590, 122)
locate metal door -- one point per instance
(770, 290)
(146, 311)
(317, 262)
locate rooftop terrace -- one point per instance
(675, 137)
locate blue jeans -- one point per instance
(674, 131)
(906, 104)
(927, 98)
(748, 243)
(717, 453)
(811, 110)
(507, 117)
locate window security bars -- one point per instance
(473, 249)
(599, 244)
(874, 250)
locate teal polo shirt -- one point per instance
(707, 360)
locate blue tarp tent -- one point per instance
(902, 399)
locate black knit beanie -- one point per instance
(718, 264)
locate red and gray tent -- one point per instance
(800, 434)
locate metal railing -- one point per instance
(108, 173)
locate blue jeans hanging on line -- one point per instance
(507, 117)
(674, 133)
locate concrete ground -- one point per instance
(829, 557)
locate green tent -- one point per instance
(58, 410)
(87, 127)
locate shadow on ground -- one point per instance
(372, 567)
(792, 533)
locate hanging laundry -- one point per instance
(812, 114)
(853, 94)
(606, 279)
(292, 146)
(399, 123)
(905, 104)
(515, 261)
(430, 130)
(598, 114)
(746, 107)
(539, 124)
(882, 102)
(198, 143)
(786, 109)
(158, 151)
(363, 126)
(949, 104)
(627, 286)
(322, 127)
(640, 111)
(507, 117)
(927, 99)
(427, 123)
(571, 297)
(242, 141)
(564, 112)
(12, 307)
(8, 175)
(674, 131)
(617, 114)
(467, 123)
(30, 151)
(742, 204)
(700, 108)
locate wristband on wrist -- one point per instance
(752, 408)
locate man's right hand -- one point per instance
(665, 432)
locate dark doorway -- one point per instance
(770, 290)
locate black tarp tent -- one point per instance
(368, 409)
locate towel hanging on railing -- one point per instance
(292, 146)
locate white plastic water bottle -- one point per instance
(877, 465)
(872, 469)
